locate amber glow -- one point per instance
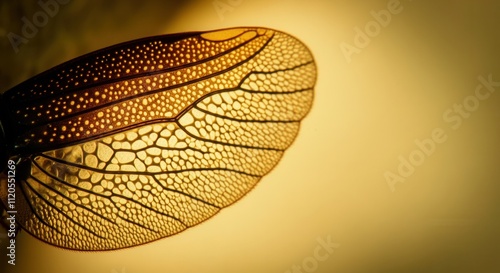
(330, 182)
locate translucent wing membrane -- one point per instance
(142, 140)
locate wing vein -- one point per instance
(186, 194)
(244, 120)
(137, 172)
(71, 200)
(61, 212)
(107, 196)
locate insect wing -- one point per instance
(140, 141)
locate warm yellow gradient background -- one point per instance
(367, 113)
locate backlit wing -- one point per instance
(142, 140)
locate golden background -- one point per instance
(367, 113)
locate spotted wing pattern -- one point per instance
(157, 141)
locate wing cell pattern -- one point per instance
(147, 156)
